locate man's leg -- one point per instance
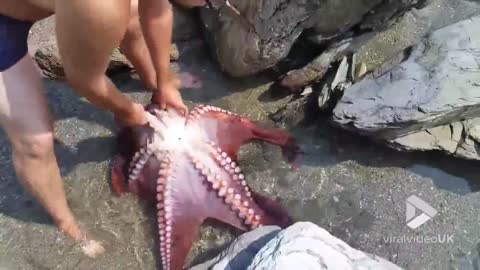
(25, 117)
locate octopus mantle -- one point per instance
(188, 167)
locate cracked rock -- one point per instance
(436, 85)
(460, 139)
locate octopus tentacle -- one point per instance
(233, 189)
(182, 205)
(200, 110)
(164, 213)
(139, 160)
(233, 195)
(226, 122)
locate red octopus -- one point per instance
(188, 167)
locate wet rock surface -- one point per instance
(436, 85)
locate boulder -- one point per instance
(185, 24)
(335, 17)
(312, 247)
(239, 254)
(388, 44)
(303, 243)
(437, 84)
(459, 139)
(248, 36)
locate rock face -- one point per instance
(460, 139)
(337, 16)
(249, 36)
(239, 254)
(312, 247)
(185, 24)
(439, 83)
(303, 243)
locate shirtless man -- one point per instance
(87, 32)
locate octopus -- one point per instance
(187, 165)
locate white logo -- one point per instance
(428, 212)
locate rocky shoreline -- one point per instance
(376, 39)
(403, 73)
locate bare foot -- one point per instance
(90, 247)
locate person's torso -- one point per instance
(28, 10)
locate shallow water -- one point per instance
(347, 184)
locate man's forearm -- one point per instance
(105, 95)
(156, 19)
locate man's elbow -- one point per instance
(87, 86)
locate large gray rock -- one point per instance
(460, 139)
(347, 13)
(387, 45)
(248, 36)
(303, 243)
(438, 84)
(185, 24)
(312, 247)
(239, 254)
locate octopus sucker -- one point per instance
(137, 163)
(189, 169)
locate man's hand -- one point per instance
(168, 95)
(134, 116)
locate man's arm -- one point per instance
(87, 33)
(156, 19)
